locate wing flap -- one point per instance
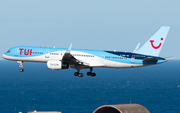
(93, 63)
(68, 57)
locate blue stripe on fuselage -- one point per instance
(134, 55)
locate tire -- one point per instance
(76, 74)
(80, 75)
(93, 74)
(21, 70)
(89, 73)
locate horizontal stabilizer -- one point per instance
(170, 57)
(150, 59)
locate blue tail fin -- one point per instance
(154, 45)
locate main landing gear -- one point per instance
(78, 74)
(21, 65)
(88, 73)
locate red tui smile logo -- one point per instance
(156, 47)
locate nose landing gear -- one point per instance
(21, 65)
(21, 70)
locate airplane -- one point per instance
(63, 58)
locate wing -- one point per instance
(80, 63)
(68, 57)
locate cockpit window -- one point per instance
(8, 51)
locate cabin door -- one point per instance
(47, 54)
(133, 59)
(102, 58)
(16, 52)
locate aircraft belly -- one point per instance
(113, 64)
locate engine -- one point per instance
(57, 65)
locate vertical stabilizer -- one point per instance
(154, 45)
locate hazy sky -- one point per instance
(93, 24)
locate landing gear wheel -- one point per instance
(21, 70)
(76, 74)
(80, 74)
(89, 73)
(93, 74)
(21, 65)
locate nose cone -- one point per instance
(4, 56)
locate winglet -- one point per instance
(69, 49)
(137, 47)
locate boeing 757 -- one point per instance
(63, 58)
